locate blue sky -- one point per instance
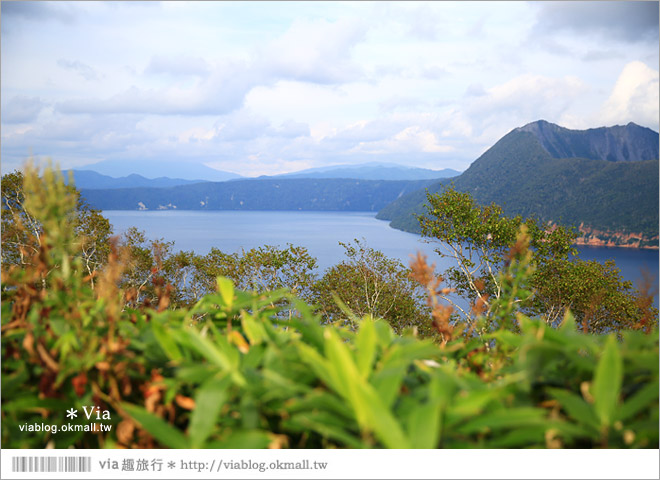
(271, 87)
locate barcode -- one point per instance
(51, 464)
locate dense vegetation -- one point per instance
(226, 368)
(519, 174)
(265, 194)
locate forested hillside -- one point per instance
(618, 199)
(283, 194)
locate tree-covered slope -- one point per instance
(283, 194)
(520, 174)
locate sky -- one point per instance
(261, 88)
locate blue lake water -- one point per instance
(320, 233)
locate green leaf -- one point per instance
(568, 324)
(318, 364)
(226, 289)
(208, 401)
(607, 381)
(325, 424)
(365, 347)
(576, 408)
(254, 439)
(166, 340)
(524, 437)
(505, 419)
(157, 427)
(220, 354)
(371, 413)
(387, 382)
(646, 398)
(424, 426)
(254, 330)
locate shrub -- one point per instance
(231, 372)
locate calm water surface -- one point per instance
(320, 233)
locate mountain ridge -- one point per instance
(619, 143)
(151, 169)
(616, 198)
(254, 194)
(371, 171)
(89, 179)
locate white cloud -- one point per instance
(177, 65)
(317, 52)
(82, 69)
(275, 85)
(22, 109)
(627, 21)
(220, 92)
(634, 97)
(518, 101)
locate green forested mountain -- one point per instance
(264, 194)
(608, 193)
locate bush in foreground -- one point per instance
(230, 372)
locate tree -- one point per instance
(369, 283)
(22, 233)
(143, 272)
(479, 239)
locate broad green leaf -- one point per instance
(607, 381)
(471, 403)
(165, 339)
(384, 332)
(208, 401)
(253, 329)
(387, 382)
(220, 353)
(524, 437)
(318, 364)
(226, 289)
(157, 427)
(283, 382)
(322, 400)
(424, 426)
(342, 368)
(381, 420)
(370, 410)
(568, 324)
(646, 398)
(365, 347)
(254, 439)
(505, 419)
(576, 407)
(324, 424)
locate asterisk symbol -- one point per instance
(171, 464)
(72, 413)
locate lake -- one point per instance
(320, 233)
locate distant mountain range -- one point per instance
(89, 179)
(372, 171)
(160, 168)
(266, 194)
(602, 180)
(92, 179)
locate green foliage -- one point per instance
(519, 174)
(22, 232)
(232, 372)
(479, 239)
(369, 283)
